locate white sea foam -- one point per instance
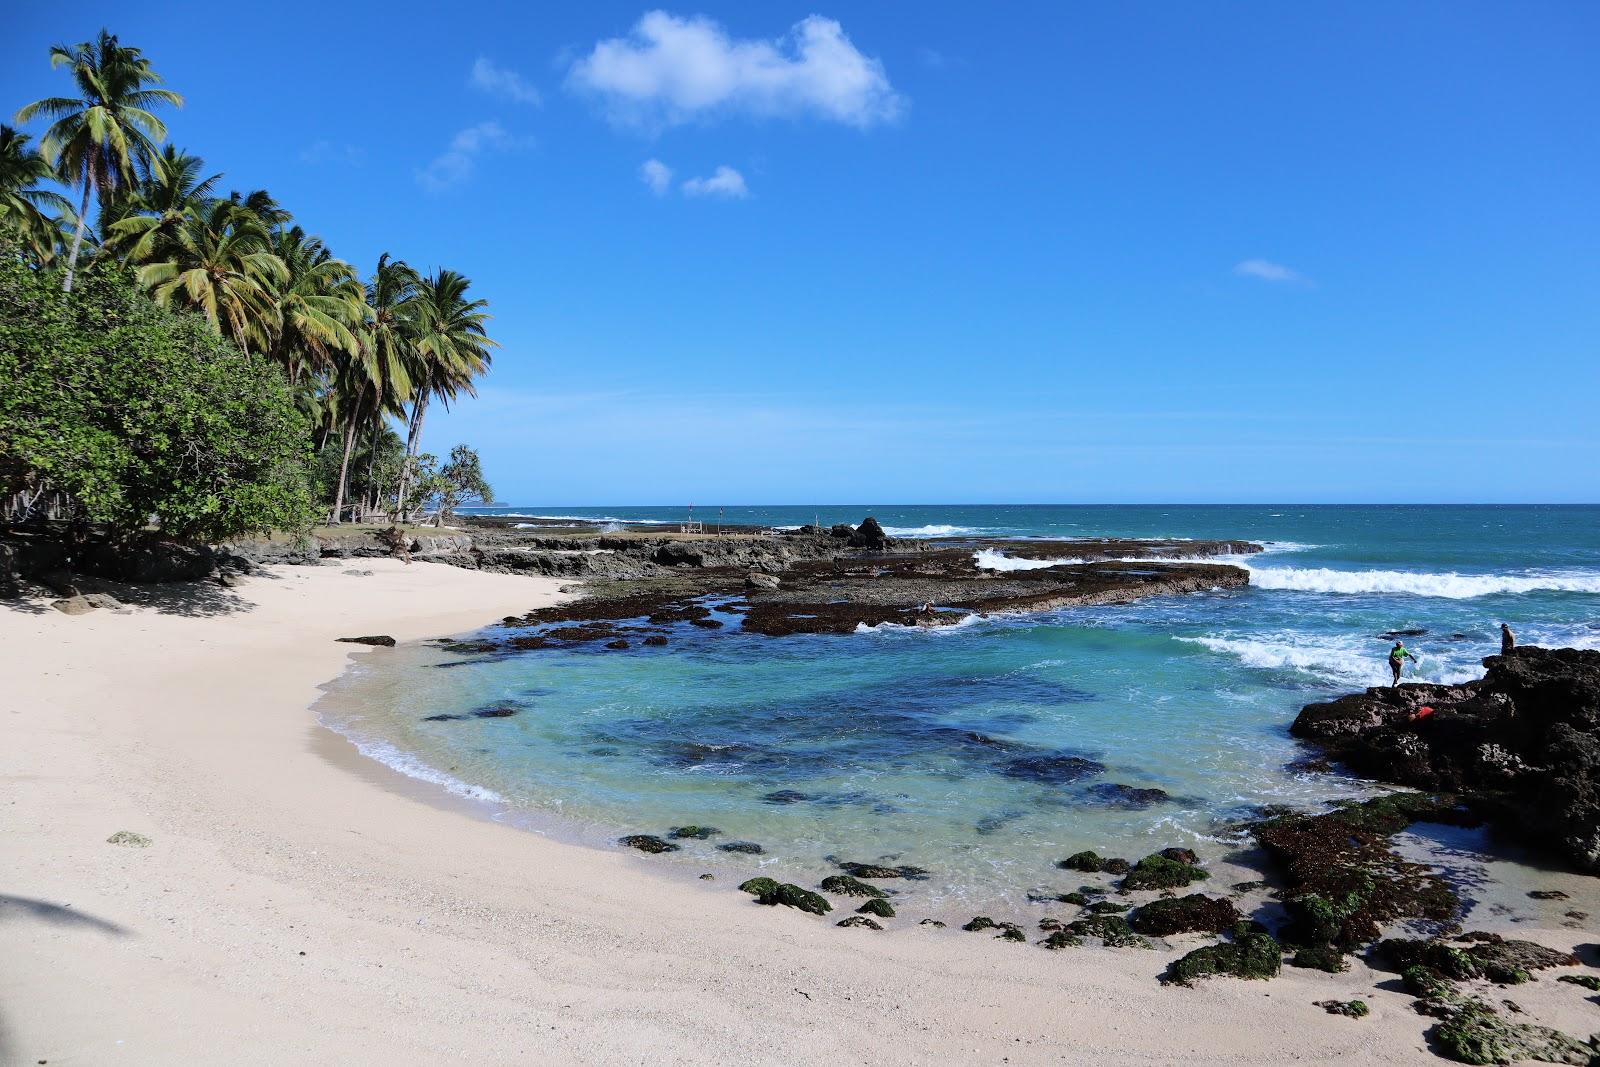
(1448, 585)
(895, 627)
(1350, 661)
(931, 531)
(412, 767)
(990, 560)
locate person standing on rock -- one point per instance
(1397, 659)
(1508, 640)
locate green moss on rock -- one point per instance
(1256, 956)
(692, 833)
(877, 906)
(648, 843)
(1086, 861)
(847, 886)
(1061, 939)
(1320, 958)
(759, 886)
(1112, 930)
(1587, 981)
(1195, 913)
(1161, 872)
(1354, 1009)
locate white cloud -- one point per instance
(657, 175)
(502, 82)
(320, 152)
(725, 182)
(671, 70)
(1268, 271)
(455, 164)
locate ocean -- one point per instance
(875, 745)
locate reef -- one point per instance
(1521, 745)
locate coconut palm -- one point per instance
(23, 203)
(319, 304)
(143, 221)
(452, 350)
(376, 382)
(103, 133)
(220, 263)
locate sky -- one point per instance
(756, 253)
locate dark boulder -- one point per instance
(879, 907)
(376, 640)
(1195, 913)
(874, 870)
(1160, 871)
(845, 885)
(869, 535)
(648, 843)
(1250, 956)
(693, 833)
(655, 641)
(748, 848)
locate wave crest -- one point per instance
(1448, 585)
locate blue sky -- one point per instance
(894, 253)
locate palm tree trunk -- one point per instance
(77, 236)
(371, 495)
(344, 466)
(413, 435)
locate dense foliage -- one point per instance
(141, 414)
(356, 355)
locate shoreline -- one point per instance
(429, 932)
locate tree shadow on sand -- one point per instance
(14, 909)
(203, 599)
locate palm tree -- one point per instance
(219, 263)
(143, 222)
(376, 381)
(320, 305)
(103, 132)
(23, 202)
(452, 350)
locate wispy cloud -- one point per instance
(456, 164)
(657, 175)
(672, 69)
(502, 82)
(318, 153)
(1268, 271)
(725, 182)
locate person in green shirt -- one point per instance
(1397, 659)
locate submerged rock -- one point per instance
(692, 833)
(499, 711)
(873, 870)
(748, 848)
(1052, 768)
(655, 641)
(648, 843)
(1132, 798)
(845, 885)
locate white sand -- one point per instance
(300, 904)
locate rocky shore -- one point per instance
(1521, 745)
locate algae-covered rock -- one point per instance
(648, 843)
(1320, 958)
(1195, 913)
(759, 886)
(1475, 1033)
(129, 839)
(874, 870)
(1117, 866)
(1006, 931)
(1107, 907)
(1087, 861)
(1251, 956)
(1353, 1009)
(1483, 955)
(1112, 930)
(1587, 981)
(791, 896)
(1161, 872)
(847, 886)
(877, 906)
(1074, 898)
(692, 833)
(747, 848)
(858, 920)
(1061, 939)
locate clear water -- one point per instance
(861, 746)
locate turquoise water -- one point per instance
(947, 748)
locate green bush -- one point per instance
(141, 414)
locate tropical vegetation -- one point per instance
(158, 267)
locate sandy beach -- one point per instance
(299, 903)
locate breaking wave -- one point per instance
(931, 531)
(1349, 661)
(1448, 585)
